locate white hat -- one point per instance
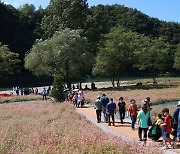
(98, 97)
(178, 103)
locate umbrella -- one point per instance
(65, 90)
(75, 90)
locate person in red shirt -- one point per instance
(166, 127)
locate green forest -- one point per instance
(75, 41)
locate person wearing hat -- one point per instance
(176, 118)
(98, 107)
(147, 101)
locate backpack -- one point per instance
(154, 132)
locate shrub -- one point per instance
(57, 91)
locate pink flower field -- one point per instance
(56, 128)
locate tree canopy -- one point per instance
(177, 58)
(8, 61)
(115, 54)
(16, 28)
(100, 25)
(65, 54)
(65, 14)
(123, 49)
(152, 56)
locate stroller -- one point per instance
(154, 132)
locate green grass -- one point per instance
(19, 98)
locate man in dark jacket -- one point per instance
(111, 110)
(176, 118)
(105, 101)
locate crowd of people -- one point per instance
(75, 97)
(27, 91)
(24, 91)
(165, 126)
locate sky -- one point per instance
(166, 10)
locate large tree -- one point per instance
(8, 61)
(64, 54)
(32, 18)
(125, 49)
(64, 13)
(116, 53)
(13, 31)
(152, 56)
(177, 58)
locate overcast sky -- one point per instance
(168, 10)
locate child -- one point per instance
(157, 129)
(159, 120)
(70, 97)
(166, 128)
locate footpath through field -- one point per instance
(124, 130)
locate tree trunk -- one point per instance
(68, 77)
(112, 80)
(118, 81)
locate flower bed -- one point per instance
(56, 128)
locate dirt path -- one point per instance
(124, 130)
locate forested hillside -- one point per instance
(101, 19)
(21, 27)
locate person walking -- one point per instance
(166, 128)
(48, 90)
(133, 113)
(98, 107)
(176, 119)
(75, 99)
(17, 91)
(80, 99)
(178, 128)
(36, 91)
(105, 101)
(70, 97)
(122, 109)
(111, 110)
(143, 117)
(44, 93)
(147, 101)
